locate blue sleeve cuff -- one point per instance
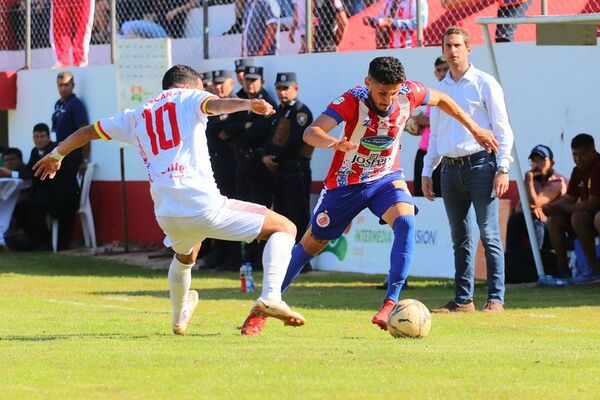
(333, 114)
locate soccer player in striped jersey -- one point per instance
(169, 132)
(364, 171)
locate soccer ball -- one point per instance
(409, 318)
(411, 124)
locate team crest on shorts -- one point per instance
(323, 220)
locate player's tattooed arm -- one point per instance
(317, 135)
(484, 137)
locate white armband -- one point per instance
(56, 155)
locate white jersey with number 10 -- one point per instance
(169, 132)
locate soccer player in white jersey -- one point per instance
(169, 132)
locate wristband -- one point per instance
(56, 155)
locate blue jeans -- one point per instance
(462, 186)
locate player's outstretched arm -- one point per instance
(317, 135)
(484, 137)
(227, 106)
(50, 163)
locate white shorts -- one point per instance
(236, 221)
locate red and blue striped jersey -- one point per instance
(376, 134)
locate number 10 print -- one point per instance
(163, 142)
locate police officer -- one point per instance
(207, 81)
(287, 156)
(225, 255)
(250, 133)
(240, 67)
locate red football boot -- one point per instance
(253, 325)
(380, 319)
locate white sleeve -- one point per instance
(496, 108)
(198, 101)
(432, 158)
(118, 127)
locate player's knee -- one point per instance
(288, 227)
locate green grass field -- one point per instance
(93, 328)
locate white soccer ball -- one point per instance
(409, 319)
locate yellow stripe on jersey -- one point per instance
(205, 102)
(101, 132)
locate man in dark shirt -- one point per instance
(574, 211)
(287, 156)
(69, 115)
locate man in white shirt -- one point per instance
(470, 175)
(170, 134)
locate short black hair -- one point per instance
(180, 74)
(387, 70)
(440, 60)
(583, 141)
(15, 151)
(41, 127)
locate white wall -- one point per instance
(548, 89)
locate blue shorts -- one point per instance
(337, 207)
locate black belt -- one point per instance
(465, 160)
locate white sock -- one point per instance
(180, 280)
(276, 257)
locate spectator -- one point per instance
(396, 25)
(441, 68)
(470, 173)
(238, 25)
(15, 236)
(331, 22)
(576, 211)
(40, 23)
(69, 115)
(288, 157)
(101, 27)
(72, 29)
(225, 255)
(43, 192)
(261, 27)
(13, 165)
(162, 18)
(510, 9)
(543, 185)
(240, 67)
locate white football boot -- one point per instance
(180, 326)
(279, 310)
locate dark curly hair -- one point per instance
(387, 70)
(180, 74)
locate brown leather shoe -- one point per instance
(453, 306)
(493, 306)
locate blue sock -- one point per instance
(402, 254)
(298, 261)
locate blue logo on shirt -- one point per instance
(377, 143)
